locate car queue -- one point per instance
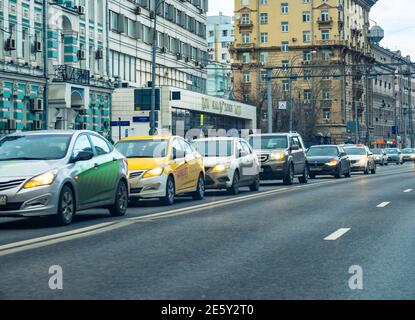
(57, 173)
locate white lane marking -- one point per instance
(337, 234)
(383, 204)
(60, 237)
(408, 190)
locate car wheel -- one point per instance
(255, 185)
(168, 199)
(386, 163)
(66, 207)
(234, 189)
(304, 177)
(119, 208)
(311, 175)
(367, 171)
(348, 174)
(373, 171)
(338, 174)
(289, 176)
(200, 191)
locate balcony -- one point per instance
(325, 23)
(245, 24)
(66, 73)
(242, 46)
(330, 43)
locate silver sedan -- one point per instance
(60, 172)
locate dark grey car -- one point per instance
(328, 160)
(282, 156)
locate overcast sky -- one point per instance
(397, 17)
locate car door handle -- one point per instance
(96, 165)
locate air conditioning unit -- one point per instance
(11, 124)
(11, 44)
(163, 50)
(84, 126)
(187, 59)
(152, 15)
(81, 55)
(196, 63)
(137, 10)
(81, 10)
(37, 125)
(37, 46)
(99, 54)
(179, 56)
(36, 105)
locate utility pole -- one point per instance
(153, 70)
(291, 99)
(269, 99)
(45, 62)
(356, 121)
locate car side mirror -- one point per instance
(294, 147)
(178, 154)
(370, 154)
(82, 156)
(242, 153)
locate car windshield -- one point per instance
(34, 147)
(322, 151)
(214, 148)
(377, 151)
(407, 151)
(355, 151)
(392, 150)
(268, 142)
(151, 148)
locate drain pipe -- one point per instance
(45, 63)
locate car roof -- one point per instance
(158, 137)
(325, 145)
(217, 139)
(43, 132)
(353, 146)
(281, 134)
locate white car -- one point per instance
(230, 163)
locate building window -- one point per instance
(306, 16)
(245, 18)
(326, 113)
(224, 44)
(325, 35)
(264, 2)
(246, 77)
(224, 56)
(245, 37)
(306, 1)
(324, 16)
(285, 85)
(306, 36)
(263, 56)
(246, 57)
(325, 54)
(264, 18)
(285, 64)
(245, 2)
(326, 94)
(284, 8)
(307, 95)
(307, 55)
(284, 46)
(263, 75)
(264, 37)
(284, 26)
(224, 33)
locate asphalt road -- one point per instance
(295, 242)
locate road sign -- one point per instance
(282, 105)
(394, 131)
(141, 119)
(120, 123)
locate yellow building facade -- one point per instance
(318, 51)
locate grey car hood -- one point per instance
(20, 169)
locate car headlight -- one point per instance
(278, 156)
(331, 163)
(363, 161)
(377, 158)
(413, 156)
(153, 172)
(45, 179)
(219, 168)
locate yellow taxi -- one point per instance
(163, 167)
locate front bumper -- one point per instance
(146, 188)
(273, 170)
(358, 166)
(322, 169)
(408, 158)
(35, 202)
(217, 180)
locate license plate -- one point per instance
(315, 169)
(3, 200)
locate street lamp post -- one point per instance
(153, 70)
